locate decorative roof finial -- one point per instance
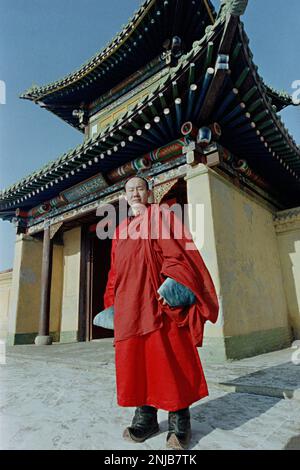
(234, 7)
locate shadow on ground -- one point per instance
(281, 381)
(293, 443)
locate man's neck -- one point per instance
(137, 210)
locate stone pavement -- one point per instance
(63, 397)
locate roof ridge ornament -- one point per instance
(173, 50)
(283, 96)
(233, 7)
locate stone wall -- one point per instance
(287, 225)
(241, 251)
(5, 294)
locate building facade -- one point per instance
(176, 98)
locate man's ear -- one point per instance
(125, 197)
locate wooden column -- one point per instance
(43, 337)
(84, 297)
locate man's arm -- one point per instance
(187, 267)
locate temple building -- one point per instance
(177, 98)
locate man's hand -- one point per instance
(164, 302)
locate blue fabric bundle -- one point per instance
(105, 318)
(176, 294)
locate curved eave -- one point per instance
(252, 129)
(277, 123)
(64, 109)
(38, 93)
(141, 40)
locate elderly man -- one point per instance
(162, 295)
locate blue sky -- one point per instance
(42, 40)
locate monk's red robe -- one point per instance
(157, 362)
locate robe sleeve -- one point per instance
(187, 267)
(109, 295)
(180, 264)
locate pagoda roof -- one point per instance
(216, 81)
(140, 41)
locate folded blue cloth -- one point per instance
(105, 318)
(176, 294)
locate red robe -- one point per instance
(157, 362)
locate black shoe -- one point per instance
(179, 434)
(143, 426)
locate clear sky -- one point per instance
(42, 40)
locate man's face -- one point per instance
(136, 192)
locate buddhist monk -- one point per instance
(162, 295)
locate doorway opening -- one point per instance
(99, 269)
(95, 266)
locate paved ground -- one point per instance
(63, 397)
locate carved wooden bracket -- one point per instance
(161, 190)
(54, 229)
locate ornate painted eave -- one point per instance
(139, 42)
(254, 128)
(216, 81)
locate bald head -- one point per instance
(137, 191)
(139, 178)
